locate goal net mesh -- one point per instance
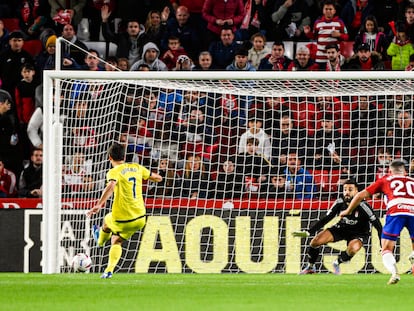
(244, 164)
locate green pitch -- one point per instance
(196, 292)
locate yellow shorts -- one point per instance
(124, 229)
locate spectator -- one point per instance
(73, 7)
(285, 139)
(222, 14)
(370, 34)
(30, 181)
(289, 17)
(46, 59)
(138, 10)
(410, 66)
(276, 60)
(255, 20)
(25, 94)
(394, 105)
(183, 63)
(75, 169)
(34, 17)
(174, 50)
(111, 64)
(223, 50)
(165, 168)
(182, 110)
(123, 64)
(35, 128)
(7, 181)
(11, 61)
(79, 127)
(401, 137)
(241, 62)
(140, 139)
(252, 169)
(259, 49)
(182, 27)
(298, 180)
(76, 50)
(143, 67)
(327, 149)
(354, 13)
(409, 21)
(195, 8)
(92, 12)
(155, 25)
(255, 130)
(130, 44)
(150, 56)
(195, 180)
(364, 60)
(25, 104)
(4, 37)
(335, 59)
(9, 141)
(276, 187)
(273, 108)
(400, 50)
(303, 61)
(205, 61)
(195, 134)
(382, 163)
(367, 132)
(225, 185)
(328, 29)
(92, 62)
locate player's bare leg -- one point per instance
(313, 252)
(389, 261)
(353, 247)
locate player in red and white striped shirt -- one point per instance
(328, 29)
(399, 196)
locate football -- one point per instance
(81, 262)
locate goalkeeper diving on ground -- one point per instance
(354, 229)
(124, 180)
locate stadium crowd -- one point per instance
(268, 156)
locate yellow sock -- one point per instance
(115, 253)
(103, 237)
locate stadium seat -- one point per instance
(289, 49)
(104, 49)
(34, 47)
(327, 181)
(11, 24)
(347, 48)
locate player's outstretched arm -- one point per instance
(301, 234)
(109, 189)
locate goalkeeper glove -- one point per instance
(301, 234)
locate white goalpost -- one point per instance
(191, 127)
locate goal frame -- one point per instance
(52, 128)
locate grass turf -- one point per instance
(182, 292)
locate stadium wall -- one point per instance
(164, 247)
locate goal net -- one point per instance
(246, 159)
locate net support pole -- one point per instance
(52, 144)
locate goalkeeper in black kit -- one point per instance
(354, 228)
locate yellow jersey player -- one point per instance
(127, 215)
